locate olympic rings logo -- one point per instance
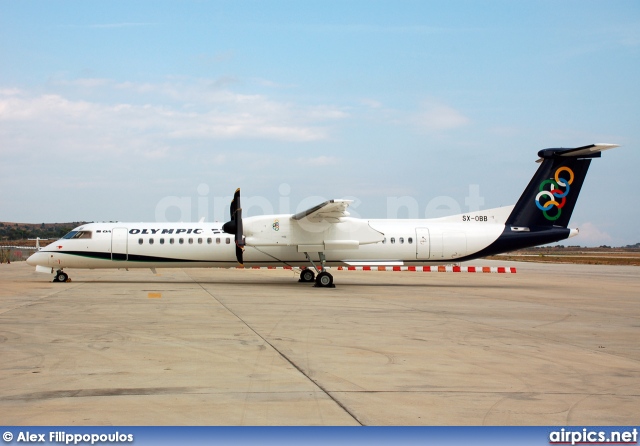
(276, 225)
(555, 193)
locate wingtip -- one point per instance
(606, 146)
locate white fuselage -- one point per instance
(274, 241)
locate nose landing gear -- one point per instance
(61, 276)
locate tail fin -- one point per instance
(552, 193)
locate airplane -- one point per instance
(324, 236)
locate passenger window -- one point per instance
(190, 241)
(162, 241)
(140, 241)
(151, 241)
(209, 240)
(228, 240)
(410, 240)
(171, 241)
(218, 240)
(199, 241)
(393, 239)
(401, 240)
(384, 240)
(181, 241)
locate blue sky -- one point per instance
(111, 110)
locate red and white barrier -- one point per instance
(425, 269)
(433, 269)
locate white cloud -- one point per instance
(84, 82)
(437, 117)
(371, 103)
(155, 118)
(9, 91)
(271, 84)
(591, 235)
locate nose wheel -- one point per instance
(60, 276)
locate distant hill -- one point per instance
(10, 231)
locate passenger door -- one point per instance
(119, 247)
(422, 244)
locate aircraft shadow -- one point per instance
(295, 284)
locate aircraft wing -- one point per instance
(325, 228)
(330, 211)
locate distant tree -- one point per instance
(23, 231)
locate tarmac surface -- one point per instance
(550, 345)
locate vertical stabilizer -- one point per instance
(553, 191)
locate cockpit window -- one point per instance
(78, 234)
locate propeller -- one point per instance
(234, 226)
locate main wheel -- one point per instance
(61, 277)
(324, 280)
(307, 275)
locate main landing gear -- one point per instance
(323, 279)
(60, 276)
(306, 276)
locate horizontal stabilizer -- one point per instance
(590, 151)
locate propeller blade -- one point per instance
(239, 229)
(235, 204)
(239, 236)
(239, 251)
(230, 226)
(236, 200)
(234, 225)
(232, 211)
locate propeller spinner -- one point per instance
(234, 226)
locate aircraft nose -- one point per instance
(37, 258)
